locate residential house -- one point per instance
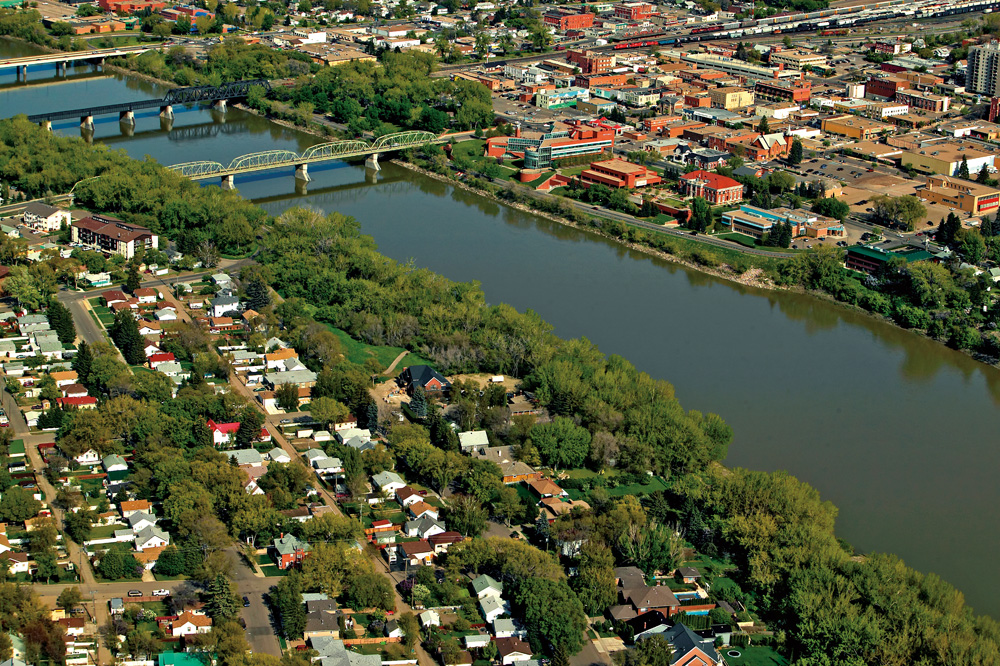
(473, 439)
(156, 360)
(289, 551)
(424, 528)
(443, 541)
(114, 463)
(188, 624)
(493, 606)
(130, 507)
(421, 509)
(486, 586)
(547, 488)
(512, 650)
(513, 471)
(314, 455)
(389, 482)
(223, 305)
(329, 466)
(416, 553)
(430, 618)
(43, 217)
(688, 574)
(88, 457)
(146, 295)
(64, 377)
(425, 377)
(151, 537)
(505, 627)
(278, 455)
(690, 649)
(407, 496)
(166, 314)
(140, 521)
(246, 457)
(551, 508)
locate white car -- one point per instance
(161, 593)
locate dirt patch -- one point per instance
(509, 383)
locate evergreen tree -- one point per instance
(984, 175)
(963, 169)
(418, 403)
(81, 363)
(223, 602)
(560, 657)
(988, 227)
(764, 127)
(287, 397)
(125, 333)
(286, 598)
(257, 295)
(795, 154)
(251, 422)
(371, 416)
(132, 278)
(61, 321)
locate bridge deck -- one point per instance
(71, 56)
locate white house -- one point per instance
(473, 439)
(504, 627)
(312, 455)
(388, 481)
(486, 586)
(151, 537)
(430, 618)
(114, 463)
(278, 455)
(328, 466)
(140, 521)
(189, 623)
(166, 314)
(423, 527)
(88, 457)
(493, 607)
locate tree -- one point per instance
(223, 602)
(371, 590)
(329, 411)
(286, 599)
(701, 214)
(81, 363)
(125, 333)
(832, 207)
(764, 127)
(133, 280)
(553, 614)
(251, 421)
(418, 403)
(17, 505)
(257, 295)
(61, 321)
(78, 525)
(411, 629)
(46, 566)
(595, 582)
(795, 153)
(560, 657)
(69, 598)
(287, 397)
(948, 229)
(963, 168)
(467, 515)
(508, 505)
(117, 564)
(984, 175)
(652, 651)
(561, 443)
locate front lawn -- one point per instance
(754, 656)
(653, 484)
(105, 531)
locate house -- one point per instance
(278, 455)
(113, 296)
(43, 217)
(486, 586)
(222, 280)
(165, 314)
(313, 455)
(321, 624)
(73, 626)
(151, 537)
(146, 295)
(321, 436)
(86, 402)
(425, 377)
(246, 457)
(19, 563)
(424, 528)
(289, 551)
(333, 653)
(443, 541)
(116, 606)
(421, 509)
(156, 360)
(88, 457)
(688, 574)
(505, 627)
(430, 618)
(646, 598)
(328, 466)
(223, 305)
(75, 391)
(416, 553)
(64, 377)
(477, 641)
(222, 433)
(512, 650)
(393, 630)
(493, 607)
(114, 463)
(389, 482)
(473, 439)
(407, 496)
(130, 507)
(547, 488)
(551, 508)
(148, 558)
(690, 649)
(140, 521)
(188, 623)
(277, 360)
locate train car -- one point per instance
(731, 26)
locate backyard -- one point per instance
(753, 656)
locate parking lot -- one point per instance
(527, 113)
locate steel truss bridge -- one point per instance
(193, 95)
(323, 152)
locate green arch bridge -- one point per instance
(323, 152)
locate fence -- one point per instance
(373, 640)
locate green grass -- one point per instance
(742, 239)
(162, 577)
(754, 656)
(105, 531)
(721, 585)
(274, 572)
(359, 352)
(652, 485)
(265, 560)
(538, 181)
(471, 149)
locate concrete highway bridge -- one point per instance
(323, 152)
(60, 60)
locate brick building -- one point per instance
(591, 62)
(712, 187)
(619, 173)
(924, 101)
(962, 194)
(564, 21)
(112, 236)
(772, 90)
(634, 11)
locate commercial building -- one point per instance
(43, 217)
(866, 259)
(771, 90)
(946, 158)
(540, 150)
(983, 72)
(561, 98)
(591, 62)
(756, 222)
(738, 68)
(731, 97)
(854, 127)
(798, 59)
(712, 187)
(924, 101)
(564, 21)
(619, 173)
(634, 11)
(962, 194)
(112, 236)
(131, 6)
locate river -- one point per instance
(893, 428)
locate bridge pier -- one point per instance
(228, 182)
(46, 125)
(302, 172)
(166, 124)
(372, 162)
(22, 73)
(87, 123)
(127, 129)
(219, 105)
(127, 117)
(60, 69)
(167, 111)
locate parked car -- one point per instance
(161, 593)
(135, 593)
(246, 602)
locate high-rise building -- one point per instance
(983, 74)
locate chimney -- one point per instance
(517, 131)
